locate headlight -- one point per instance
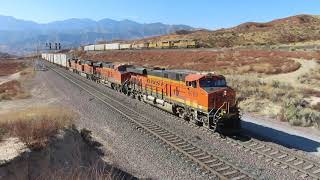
(225, 93)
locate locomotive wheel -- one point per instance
(198, 123)
(112, 86)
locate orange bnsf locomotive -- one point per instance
(204, 99)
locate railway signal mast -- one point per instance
(53, 46)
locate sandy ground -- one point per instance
(292, 77)
(40, 95)
(11, 148)
(306, 139)
(4, 79)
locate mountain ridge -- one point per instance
(22, 36)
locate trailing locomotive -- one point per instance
(204, 99)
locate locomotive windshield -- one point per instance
(206, 83)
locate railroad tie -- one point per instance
(182, 144)
(308, 167)
(282, 156)
(193, 151)
(223, 168)
(216, 164)
(253, 144)
(303, 175)
(230, 173)
(174, 139)
(239, 177)
(188, 148)
(291, 159)
(259, 147)
(316, 171)
(274, 152)
(210, 161)
(199, 155)
(265, 150)
(169, 137)
(205, 157)
(298, 163)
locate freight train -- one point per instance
(164, 44)
(204, 99)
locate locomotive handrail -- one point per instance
(217, 110)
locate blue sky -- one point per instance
(210, 14)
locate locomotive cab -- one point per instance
(220, 110)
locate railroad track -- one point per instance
(282, 158)
(209, 163)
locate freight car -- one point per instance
(112, 46)
(99, 47)
(204, 99)
(125, 46)
(144, 45)
(56, 58)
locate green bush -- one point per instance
(2, 133)
(295, 112)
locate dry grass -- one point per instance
(227, 61)
(13, 90)
(316, 107)
(311, 78)
(275, 100)
(8, 67)
(34, 126)
(311, 92)
(77, 173)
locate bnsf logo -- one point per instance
(154, 82)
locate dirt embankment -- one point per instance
(70, 155)
(15, 75)
(8, 67)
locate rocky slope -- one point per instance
(300, 28)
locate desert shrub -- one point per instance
(316, 107)
(34, 126)
(2, 133)
(275, 84)
(296, 113)
(80, 172)
(13, 90)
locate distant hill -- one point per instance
(20, 35)
(5, 55)
(294, 29)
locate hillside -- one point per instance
(20, 36)
(5, 55)
(300, 28)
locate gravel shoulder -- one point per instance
(300, 138)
